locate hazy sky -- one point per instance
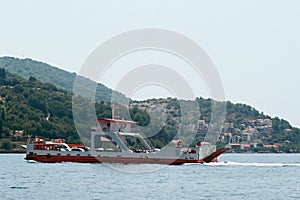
(255, 45)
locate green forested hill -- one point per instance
(49, 74)
(240, 118)
(29, 107)
(32, 107)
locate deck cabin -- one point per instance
(115, 131)
(115, 125)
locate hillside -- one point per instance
(58, 77)
(30, 107)
(245, 127)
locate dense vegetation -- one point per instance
(238, 114)
(58, 77)
(30, 107)
(241, 113)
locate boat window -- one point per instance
(123, 127)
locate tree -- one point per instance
(1, 127)
(2, 73)
(6, 144)
(32, 79)
(2, 76)
(2, 115)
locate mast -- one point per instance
(113, 110)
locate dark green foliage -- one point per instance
(6, 144)
(26, 104)
(140, 116)
(2, 73)
(41, 110)
(239, 113)
(37, 101)
(32, 79)
(34, 70)
(160, 139)
(1, 128)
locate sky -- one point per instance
(254, 44)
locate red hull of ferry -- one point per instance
(125, 160)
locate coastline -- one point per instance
(12, 151)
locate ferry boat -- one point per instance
(109, 144)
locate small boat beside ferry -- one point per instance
(110, 140)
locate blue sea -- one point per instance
(235, 176)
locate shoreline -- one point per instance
(12, 151)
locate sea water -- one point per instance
(235, 176)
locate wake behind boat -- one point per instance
(109, 144)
